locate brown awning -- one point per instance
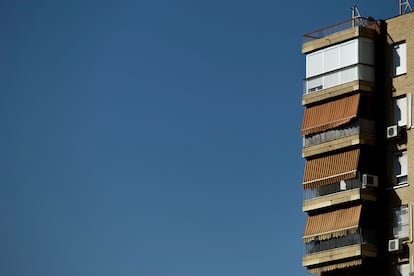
(335, 266)
(332, 224)
(330, 169)
(329, 115)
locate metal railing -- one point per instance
(362, 236)
(333, 188)
(357, 22)
(360, 126)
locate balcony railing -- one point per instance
(361, 126)
(362, 236)
(333, 188)
(357, 22)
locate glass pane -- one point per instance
(314, 64)
(349, 53)
(403, 270)
(331, 59)
(400, 222)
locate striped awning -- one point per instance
(331, 267)
(329, 115)
(332, 224)
(330, 169)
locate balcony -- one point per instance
(360, 131)
(337, 193)
(334, 188)
(361, 126)
(338, 238)
(340, 257)
(339, 77)
(338, 91)
(364, 236)
(340, 251)
(339, 246)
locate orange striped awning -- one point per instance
(329, 115)
(330, 169)
(332, 224)
(331, 267)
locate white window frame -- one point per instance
(400, 111)
(399, 58)
(356, 51)
(400, 160)
(401, 222)
(409, 110)
(403, 269)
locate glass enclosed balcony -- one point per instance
(338, 77)
(329, 189)
(361, 236)
(339, 64)
(344, 191)
(361, 126)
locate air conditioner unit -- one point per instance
(369, 180)
(394, 245)
(393, 132)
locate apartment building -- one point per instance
(358, 143)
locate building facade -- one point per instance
(358, 143)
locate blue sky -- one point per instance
(154, 137)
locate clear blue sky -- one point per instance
(155, 138)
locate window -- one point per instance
(339, 56)
(332, 58)
(403, 270)
(400, 59)
(400, 111)
(400, 167)
(400, 222)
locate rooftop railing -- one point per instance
(356, 22)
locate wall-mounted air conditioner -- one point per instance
(394, 245)
(393, 132)
(369, 180)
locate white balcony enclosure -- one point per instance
(339, 64)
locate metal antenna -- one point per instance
(405, 7)
(356, 16)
